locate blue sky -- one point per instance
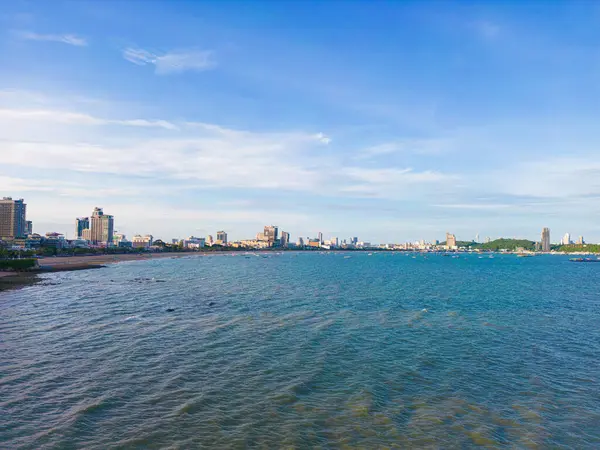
(391, 121)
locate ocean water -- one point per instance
(305, 351)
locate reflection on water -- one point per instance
(304, 350)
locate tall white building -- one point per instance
(102, 227)
(566, 240)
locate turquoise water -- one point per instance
(305, 351)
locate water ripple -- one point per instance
(302, 351)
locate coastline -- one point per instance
(15, 280)
(65, 263)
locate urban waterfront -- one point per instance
(305, 350)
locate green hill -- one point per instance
(592, 248)
(507, 244)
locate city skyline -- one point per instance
(399, 122)
(99, 229)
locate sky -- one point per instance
(390, 121)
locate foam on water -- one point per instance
(305, 350)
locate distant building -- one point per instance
(29, 228)
(334, 242)
(196, 242)
(300, 242)
(209, 240)
(270, 234)
(142, 241)
(56, 240)
(314, 243)
(285, 239)
(566, 240)
(221, 238)
(81, 223)
(354, 241)
(545, 242)
(13, 221)
(450, 241)
(120, 240)
(87, 235)
(320, 237)
(102, 226)
(580, 241)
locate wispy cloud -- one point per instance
(69, 39)
(412, 146)
(171, 62)
(75, 118)
(487, 29)
(475, 206)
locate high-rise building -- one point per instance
(87, 234)
(29, 228)
(300, 242)
(320, 237)
(270, 234)
(102, 226)
(13, 221)
(221, 238)
(566, 240)
(209, 240)
(354, 241)
(335, 242)
(450, 241)
(580, 240)
(285, 239)
(477, 237)
(81, 223)
(545, 240)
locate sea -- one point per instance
(305, 350)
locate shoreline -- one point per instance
(16, 280)
(67, 263)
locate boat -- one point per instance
(347, 257)
(586, 260)
(524, 255)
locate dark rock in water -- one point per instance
(170, 309)
(211, 303)
(161, 281)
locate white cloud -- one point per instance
(171, 62)
(66, 117)
(69, 39)
(407, 146)
(193, 154)
(553, 177)
(323, 139)
(475, 206)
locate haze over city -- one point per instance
(390, 121)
